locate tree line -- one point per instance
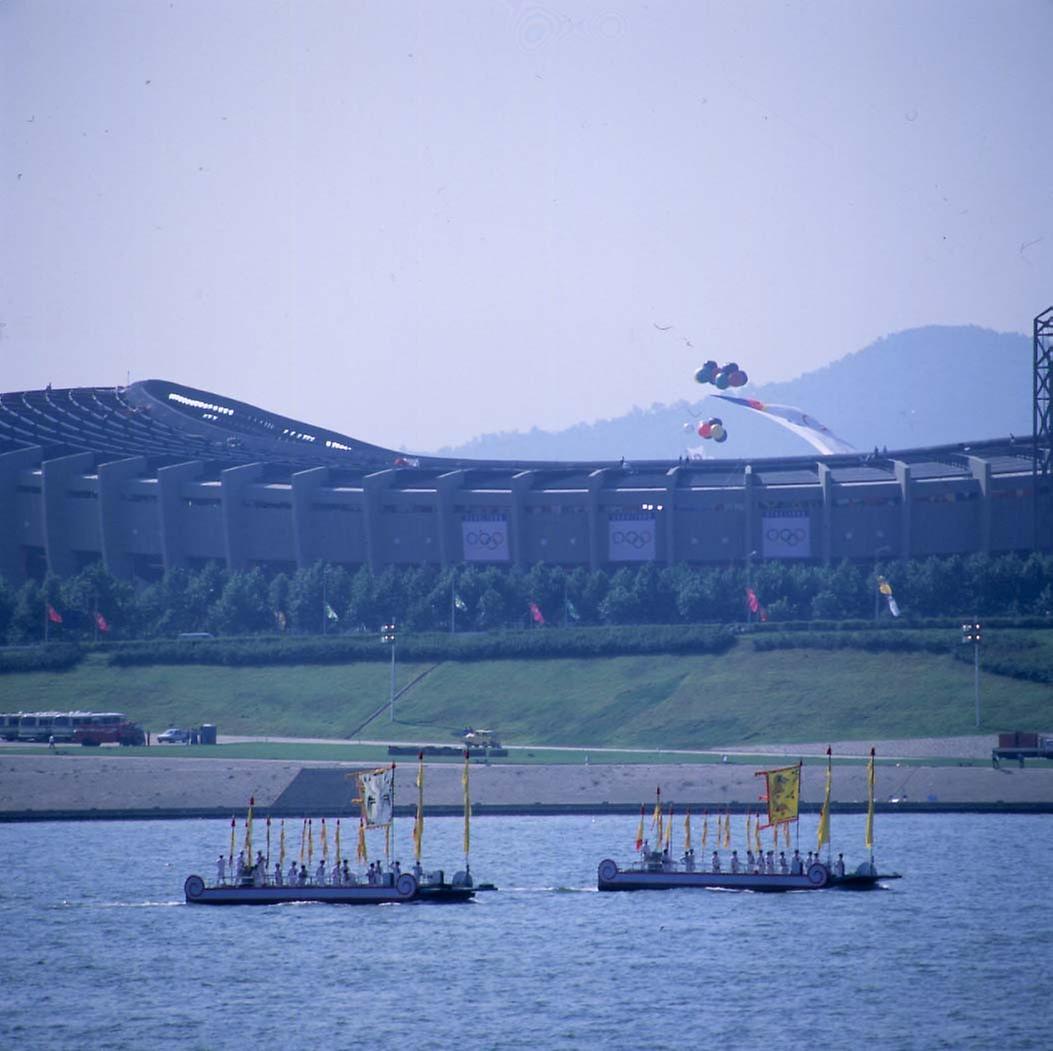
(328, 599)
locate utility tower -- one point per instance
(1042, 430)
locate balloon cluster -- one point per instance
(714, 429)
(721, 377)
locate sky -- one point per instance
(418, 222)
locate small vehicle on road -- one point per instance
(173, 735)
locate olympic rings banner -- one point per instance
(787, 536)
(631, 538)
(485, 538)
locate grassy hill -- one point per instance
(743, 696)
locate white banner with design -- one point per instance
(485, 538)
(378, 796)
(631, 538)
(788, 535)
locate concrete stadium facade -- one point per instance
(157, 475)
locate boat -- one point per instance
(382, 884)
(657, 869)
(392, 889)
(656, 872)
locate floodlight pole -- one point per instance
(388, 635)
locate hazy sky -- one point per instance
(415, 222)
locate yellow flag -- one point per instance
(823, 834)
(870, 802)
(248, 833)
(303, 841)
(418, 825)
(465, 781)
(362, 856)
(281, 846)
(639, 829)
(338, 842)
(705, 829)
(656, 819)
(749, 828)
(784, 793)
(758, 846)
(310, 841)
(687, 831)
(727, 829)
(325, 841)
(669, 830)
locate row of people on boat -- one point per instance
(241, 873)
(761, 863)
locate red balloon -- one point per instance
(705, 430)
(738, 378)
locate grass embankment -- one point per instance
(643, 701)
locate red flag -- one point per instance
(101, 622)
(751, 600)
(536, 613)
(53, 615)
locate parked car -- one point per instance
(173, 735)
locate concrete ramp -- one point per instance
(317, 788)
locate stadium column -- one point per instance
(170, 482)
(669, 510)
(981, 471)
(597, 549)
(113, 532)
(749, 482)
(826, 485)
(232, 485)
(58, 544)
(905, 496)
(11, 465)
(304, 486)
(521, 484)
(446, 486)
(373, 486)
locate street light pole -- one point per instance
(388, 635)
(973, 632)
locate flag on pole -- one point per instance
(377, 789)
(310, 841)
(330, 612)
(325, 841)
(362, 856)
(727, 828)
(535, 613)
(784, 793)
(758, 846)
(752, 601)
(656, 817)
(749, 828)
(459, 603)
(418, 825)
(303, 841)
(233, 836)
(101, 622)
(466, 782)
(280, 619)
(705, 829)
(268, 839)
(281, 846)
(572, 612)
(248, 831)
(639, 829)
(687, 831)
(886, 589)
(338, 842)
(53, 614)
(823, 835)
(870, 802)
(669, 830)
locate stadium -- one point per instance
(156, 475)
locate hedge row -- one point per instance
(572, 642)
(58, 657)
(872, 642)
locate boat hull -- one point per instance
(610, 877)
(405, 889)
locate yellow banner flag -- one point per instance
(757, 845)
(870, 802)
(639, 829)
(727, 829)
(362, 856)
(248, 833)
(310, 841)
(338, 842)
(465, 781)
(687, 831)
(418, 825)
(823, 834)
(669, 830)
(705, 829)
(303, 841)
(325, 841)
(784, 793)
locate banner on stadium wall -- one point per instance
(788, 535)
(485, 538)
(631, 538)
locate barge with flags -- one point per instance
(240, 880)
(757, 870)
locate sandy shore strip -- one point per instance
(43, 785)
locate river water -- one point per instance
(99, 950)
